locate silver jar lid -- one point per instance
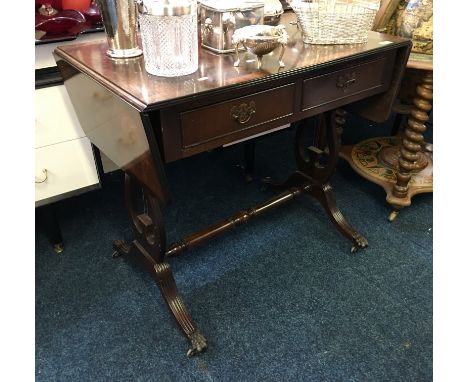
(167, 7)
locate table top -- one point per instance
(129, 80)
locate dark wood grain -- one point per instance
(364, 77)
(222, 122)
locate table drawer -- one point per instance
(369, 77)
(219, 122)
(70, 167)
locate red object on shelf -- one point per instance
(51, 21)
(56, 4)
(93, 14)
(78, 5)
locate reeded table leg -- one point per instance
(324, 194)
(150, 242)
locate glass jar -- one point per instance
(169, 36)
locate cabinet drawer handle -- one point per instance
(346, 80)
(44, 171)
(243, 112)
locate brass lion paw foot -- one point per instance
(360, 242)
(198, 344)
(59, 248)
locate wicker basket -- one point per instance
(335, 21)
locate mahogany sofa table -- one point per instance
(141, 121)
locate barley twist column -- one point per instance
(412, 139)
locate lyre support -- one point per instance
(150, 242)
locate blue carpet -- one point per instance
(279, 299)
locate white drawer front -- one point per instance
(56, 119)
(70, 166)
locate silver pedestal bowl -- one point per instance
(260, 40)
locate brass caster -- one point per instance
(58, 248)
(198, 344)
(355, 248)
(393, 215)
(360, 243)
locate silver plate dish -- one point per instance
(260, 40)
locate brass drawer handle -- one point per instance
(44, 171)
(346, 80)
(243, 112)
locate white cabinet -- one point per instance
(56, 120)
(70, 170)
(65, 163)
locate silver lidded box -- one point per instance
(219, 20)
